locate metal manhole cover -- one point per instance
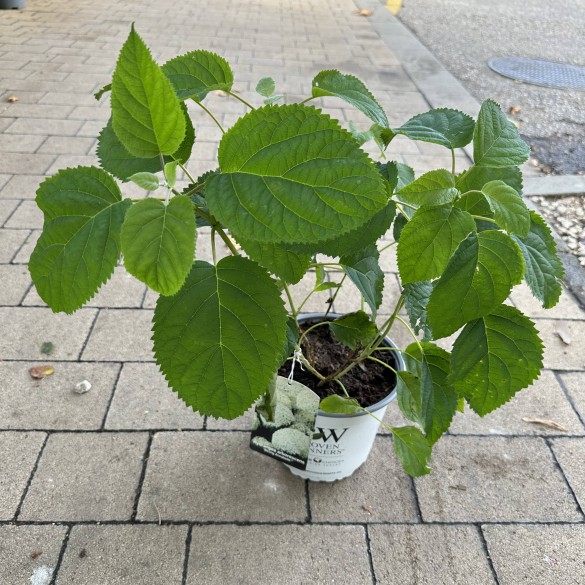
(539, 72)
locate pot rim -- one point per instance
(302, 317)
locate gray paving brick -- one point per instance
(570, 454)
(122, 290)
(545, 399)
(217, 477)
(27, 328)
(575, 384)
(27, 216)
(21, 187)
(26, 549)
(69, 160)
(121, 335)
(537, 555)
(378, 492)
(90, 128)
(18, 453)
(20, 142)
(241, 423)
(297, 555)
(567, 307)
(45, 127)
(557, 354)
(51, 403)
(143, 400)
(10, 243)
(71, 99)
(67, 145)
(15, 282)
(7, 209)
(124, 555)
(22, 110)
(417, 555)
(86, 476)
(24, 164)
(494, 479)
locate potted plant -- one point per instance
(295, 193)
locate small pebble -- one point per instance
(82, 387)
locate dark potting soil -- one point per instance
(368, 382)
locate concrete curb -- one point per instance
(440, 88)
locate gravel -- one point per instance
(567, 217)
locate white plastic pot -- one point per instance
(346, 440)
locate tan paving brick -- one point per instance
(215, 476)
(52, 403)
(121, 555)
(121, 335)
(24, 550)
(143, 400)
(27, 216)
(494, 479)
(545, 399)
(557, 354)
(570, 454)
(21, 187)
(24, 334)
(10, 243)
(15, 282)
(537, 555)
(379, 491)
(18, 453)
(575, 384)
(417, 555)
(297, 555)
(86, 476)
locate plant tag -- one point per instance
(284, 423)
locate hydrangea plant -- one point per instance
(292, 183)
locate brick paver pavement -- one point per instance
(126, 485)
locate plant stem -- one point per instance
(211, 116)
(381, 362)
(411, 332)
(307, 100)
(290, 301)
(311, 369)
(387, 246)
(213, 255)
(488, 219)
(242, 100)
(452, 161)
(311, 329)
(335, 296)
(213, 222)
(184, 169)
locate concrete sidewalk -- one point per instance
(124, 484)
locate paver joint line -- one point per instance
(370, 558)
(145, 457)
(486, 551)
(30, 479)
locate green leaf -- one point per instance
(496, 142)
(219, 340)
(494, 357)
(544, 270)
(478, 278)
(356, 239)
(389, 171)
(170, 173)
(351, 90)
(449, 128)
(363, 269)
(416, 298)
(405, 176)
(474, 178)
(475, 203)
(398, 226)
(291, 174)
(508, 207)
(197, 73)
(80, 244)
(437, 395)
(266, 86)
(432, 188)
(146, 114)
(115, 158)
(288, 265)
(354, 329)
(428, 241)
(148, 181)
(158, 242)
(273, 99)
(335, 404)
(98, 94)
(292, 338)
(412, 449)
(408, 396)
